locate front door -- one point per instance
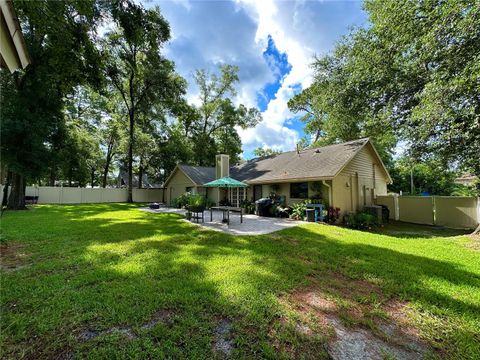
(257, 192)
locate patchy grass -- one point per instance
(111, 281)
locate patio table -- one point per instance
(226, 212)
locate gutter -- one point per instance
(292, 180)
(12, 38)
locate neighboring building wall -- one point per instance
(359, 182)
(177, 186)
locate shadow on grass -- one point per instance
(408, 230)
(101, 266)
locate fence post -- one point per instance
(396, 207)
(434, 211)
(478, 210)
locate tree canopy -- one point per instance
(412, 75)
(59, 36)
(137, 70)
(261, 152)
(93, 102)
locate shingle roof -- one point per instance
(199, 174)
(322, 162)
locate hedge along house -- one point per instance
(348, 176)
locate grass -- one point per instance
(72, 269)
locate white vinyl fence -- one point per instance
(449, 211)
(68, 195)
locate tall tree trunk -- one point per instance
(105, 173)
(130, 157)
(92, 176)
(140, 174)
(16, 200)
(107, 164)
(5, 190)
(52, 176)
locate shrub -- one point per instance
(333, 214)
(209, 203)
(182, 200)
(361, 221)
(299, 210)
(248, 206)
(196, 203)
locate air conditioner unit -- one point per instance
(374, 210)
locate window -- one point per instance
(189, 189)
(299, 190)
(237, 195)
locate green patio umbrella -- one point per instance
(226, 182)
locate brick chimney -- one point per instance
(222, 166)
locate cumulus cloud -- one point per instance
(209, 33)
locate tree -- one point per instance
(412, 76)
(261, 152)
(173, 148)
(136, 68)
(59, 36)
(212, 126)
(111, 137)
(428, 177)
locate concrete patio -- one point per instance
(252, 224)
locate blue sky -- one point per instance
(272, 42)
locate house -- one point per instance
(348, 175)
(13, 52)
(122, 181)
(466, 180)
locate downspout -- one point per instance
(330, 201)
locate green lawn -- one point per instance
(75, 270)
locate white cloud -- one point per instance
(205, 34)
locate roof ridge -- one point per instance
(312, 148)
(197, 166)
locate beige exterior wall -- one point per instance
(148, 195)
(177, 186)
(358, 184)
(214, 195)
(66, 195)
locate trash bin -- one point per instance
(310, 215)
(262, 206)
